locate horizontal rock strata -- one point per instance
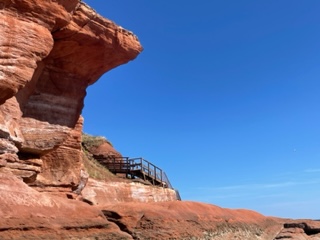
(101, 193)
(190, 220)
(50, 52)
(27, 215)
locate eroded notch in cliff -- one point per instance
(28, 166)
(27, 156)
(309, 230)
(116, 218)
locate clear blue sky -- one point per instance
(225, 98)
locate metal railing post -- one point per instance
(141, 164)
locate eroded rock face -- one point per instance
(27, 214)
(300, 230)
(190, 220)
(50, 52)
(99, 147)
(101, 193)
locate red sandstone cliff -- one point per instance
(50, 52)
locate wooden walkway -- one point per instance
(136, 168)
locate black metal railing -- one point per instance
(136, 167)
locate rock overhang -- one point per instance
(51, 51)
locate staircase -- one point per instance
(136, 168)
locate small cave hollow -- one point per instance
(27, 156)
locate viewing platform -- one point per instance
(135, 168)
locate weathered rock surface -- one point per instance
(102, 193)
(99, 147)
(50, 52)
(300, 230)
(190, 220)
(28, 214)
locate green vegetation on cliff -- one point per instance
(93, 141)
(92, 166)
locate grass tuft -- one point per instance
(93, 141)
(94, 168)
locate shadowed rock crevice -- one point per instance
(296, 229)
(116, 218)
(309, 230)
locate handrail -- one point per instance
(177, 194)
(150, 169)
(132, 165)
(166, 179)
(137, 168)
